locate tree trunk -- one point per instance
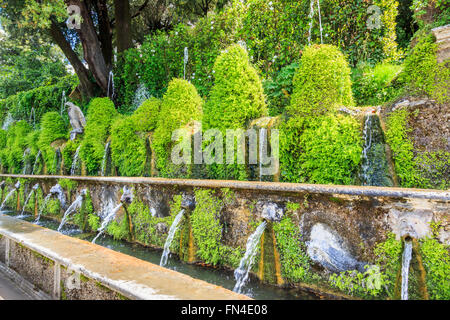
(92, 50)
(123, 25)
(105, 34)
(87, 87)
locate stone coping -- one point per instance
(258, 186)
(131, 277)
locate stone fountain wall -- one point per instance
(339, 225)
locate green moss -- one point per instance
(422, 74)
(128, 149)
(295, 264)
(181, 104)
(146, 116)
(100, 116)
(322, 81)
(93, 222)
(436, 260)
(11, 155)
(207, 230)
(415, 169)
(53, 208)
(68, 152)
(68, 184)
(324, 149)
(52, 128)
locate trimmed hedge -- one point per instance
(100, 116)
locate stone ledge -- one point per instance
(259, 186)
(123, 274)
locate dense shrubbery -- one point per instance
(321, 83)
(181, 104)
(422, 73)
(146, 116)
(315, 146)
(41, 100)
(52, 128)
(101, 113)
(11, 155)
(375, 86)
(279, 89)
(236, 98)
(127, 148)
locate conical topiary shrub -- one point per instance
(322, 81)
(101, 113)
(181, 104)
(236, 98)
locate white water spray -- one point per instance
(35, 187)
(311, 17)
(241, 274)
(75, 161)
(105, 156)
(173, 228)
(406, 261)
(107, 221)
(73, 207)
(36, 162)
(111, 83)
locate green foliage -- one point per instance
(389, 257)
(279, 89)
(41, 100)
(422, 74)
(68, 184)
(436, 259)
(118, 230)
(207, 230)
(181, 104)
(325, 149)
(101, 113)
(93, 222)
(421, 170)
(321, 83)
(374, 86)
(11, 156)
(236, 98)
(146, 116)
(295, 262)
(127, 147)
(237, 95)
(52, 128)
(68, 153)
(368, 284)
(145, 224)
(331, 150)
(389, 8)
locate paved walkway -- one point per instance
(9, 291)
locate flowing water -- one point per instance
(35, 187)
(241, 274)
(262, 149)
(43, 206)
(311, 17)
(107, 221)
(111, 83)
(105, 159)
(74, 168)
(72, 208)
(185, 60)
(36, 161)
(219, 277)
(406, 261)
(55, 190)
(8, 122)
(7, 198)
(140, 96)
(173, 228)
(374, 169)
(63, 103)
